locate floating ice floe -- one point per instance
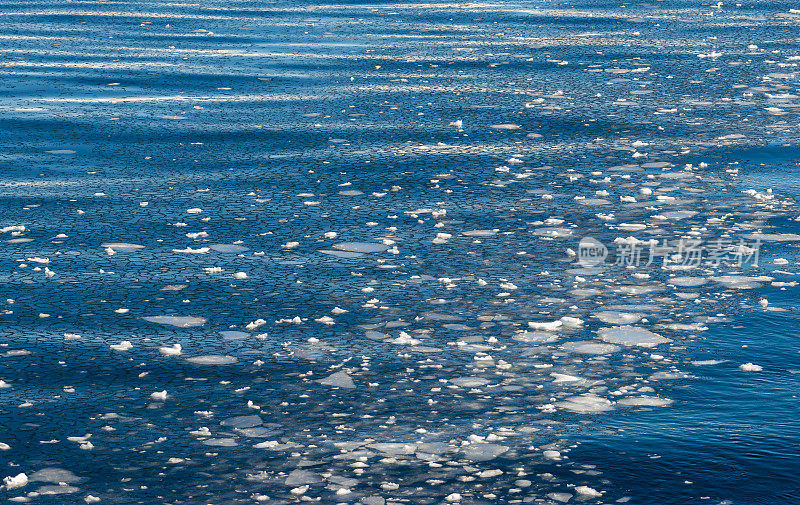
(360, 247)
(469, 382)
(241, 422)
(229, 248)
(179, 321)
(483, 451)
(589, 347)
(16, 481)
(617, 317)
(174, 350)
(159, 395)
(125, 345)
(212, 359)
(586, 404)
(687, 281)
(121, 246)
(644, 401)
(632, 336)
(750, 367)
(479, 233)
(339, 379)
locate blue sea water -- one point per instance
(347, 215)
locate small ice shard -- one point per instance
(750, 367)
(339, 379)
(212, 359)
(125, 345)
(505, 126)
(453, 497)
(159, 395)
(121, 246)
(483, 451)
(586, 404)
(194, 210)
(16, 481)
(360, 247)
(337, 311)
(4, 447)
(179, 321)
(240, 275)
(174, 350)
(327, 320)
(631, 336)
(644, 401)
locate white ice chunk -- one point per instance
(750, 367)
(16, 481)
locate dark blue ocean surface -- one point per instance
(384, 253)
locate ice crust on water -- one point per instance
(631, 336)
(448, 352)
